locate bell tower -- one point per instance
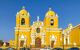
(51, 19)
(23, 18)
(22, 29)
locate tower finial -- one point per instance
(23, 7)
(37, 18)
(49, 9)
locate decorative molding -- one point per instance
(53, 29)
(33, 39)
(16, 28)
(17, 25)
(53, 38)
(22, 30)
(43, 38)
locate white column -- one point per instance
(68, 40)
(33, 39)
(64, 37)
(43, 39)
(64, 40)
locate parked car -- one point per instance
(10, 48)
(0, 48)
(73, 48)
(57, 49)
(24, 48)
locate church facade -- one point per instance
(42, 34)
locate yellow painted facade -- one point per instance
(42, 33)
(72, 36)
(75, 36)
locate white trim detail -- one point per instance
(53, 38)
(53, 29)
(64, 40)
(68, 40)
(33, 39)
(22, 37)
(43, 38)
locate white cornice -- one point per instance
(53, 29)
(22, 30)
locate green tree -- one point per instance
(1, 43)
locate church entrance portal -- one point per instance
(21, 43)
(37, 42)
(52, 44)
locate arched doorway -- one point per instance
(52, 44)
(21, 43)
(53, 40)
(37, 42)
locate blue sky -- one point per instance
(67, 10)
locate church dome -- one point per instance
(50, 13)
(23, 11)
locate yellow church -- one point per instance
(41, 33)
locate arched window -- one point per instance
(38, 30)
(52, 22)
(22, 21)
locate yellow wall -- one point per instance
(57, 34)
(55, 30)
(75, 36)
